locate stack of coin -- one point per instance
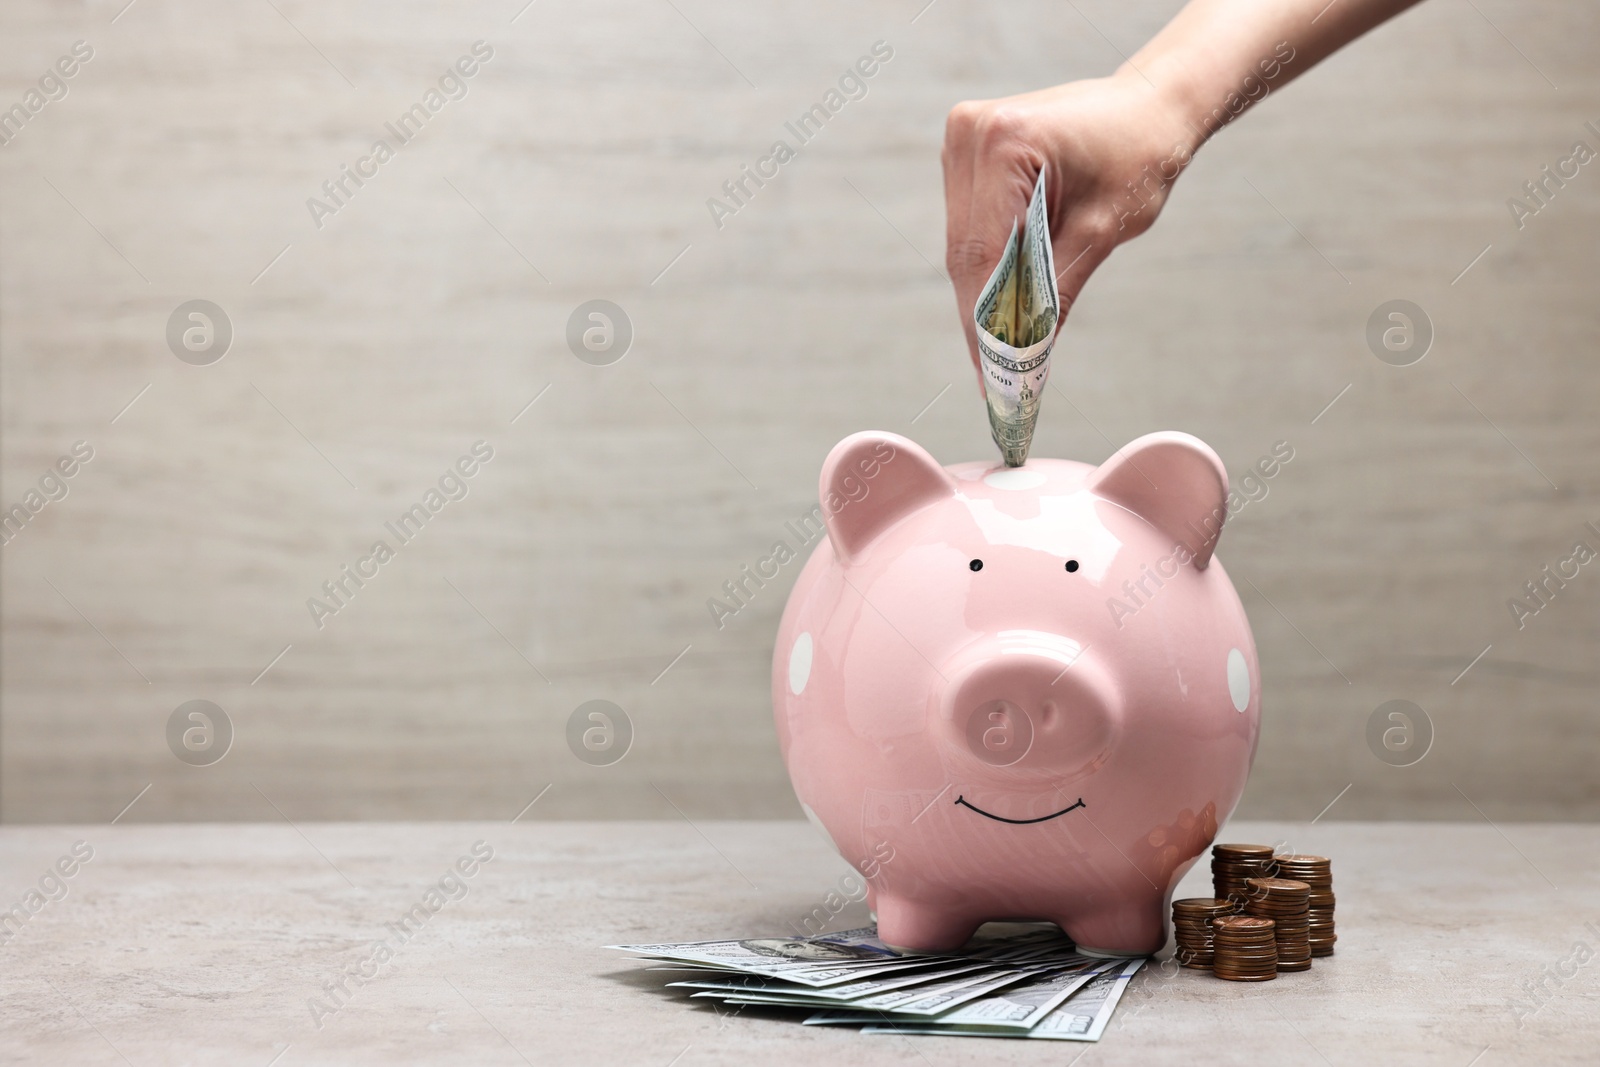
(1288, 904)
(1316, 872)
(1191, 928)
(1232, 865)
(1246, 949)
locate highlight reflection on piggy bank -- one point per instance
(1033, 689)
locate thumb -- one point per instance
(1078, 251)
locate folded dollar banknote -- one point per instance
(1012, 980)
(1016, 317)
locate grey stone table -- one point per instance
(194, 944)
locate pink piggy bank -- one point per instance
(1025, 693)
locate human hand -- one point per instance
(1115, 145)
(1112, 148)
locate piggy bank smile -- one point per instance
(964, 802)
(971, 646)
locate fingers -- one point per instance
(990, 169)
(1078, 250)
(1073, 280)
(957, 159)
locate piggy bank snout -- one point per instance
(1030, 701)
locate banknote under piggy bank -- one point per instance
(1033, 689)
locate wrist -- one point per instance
(1205, 93)
(1171, 97)
(1168, 105)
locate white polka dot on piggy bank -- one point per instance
(800, 664)
(1238, 680)
(1009, 693)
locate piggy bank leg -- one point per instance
(1132, 927)
(907, 925)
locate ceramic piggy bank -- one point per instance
(1024, 693)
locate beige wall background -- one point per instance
(370, 353)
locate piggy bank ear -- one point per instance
(872, 480)
(1175, 482)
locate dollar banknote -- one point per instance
(811, 961)
(1011, 980)
(738, 984)
(1023, 1005)
(1012, 999)
(1016, 317)
(929, 998)
(1082, 1016)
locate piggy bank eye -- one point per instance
(976, 564)
(1072, 565)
